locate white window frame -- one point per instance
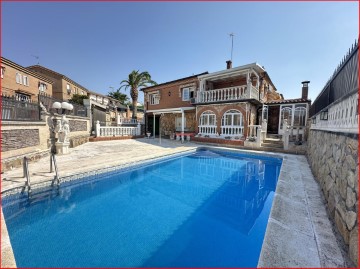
(229, 128)
(18, 78)
(154, 99)
(26, 80)
(293, 108)
(186, 93)
(42, 87)
(205, 119)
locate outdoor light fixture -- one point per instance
(64, 106)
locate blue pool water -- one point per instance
(206, 209)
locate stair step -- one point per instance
(264, 145)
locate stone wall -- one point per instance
(19, 139)
(33, 139)
(334, 162)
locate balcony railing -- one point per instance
(227, 94)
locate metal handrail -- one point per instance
(27, 175)
(56, 177)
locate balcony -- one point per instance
(237, 93)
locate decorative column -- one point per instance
(182, 125)
(154, 126)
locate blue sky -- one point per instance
(98, 44)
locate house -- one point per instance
(228, 102)
(63, 88)
(22, 83)
(227, 105)
(169, 106)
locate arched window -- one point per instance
(286, 114)
(232, 123)
(207, 123)
(300, 116)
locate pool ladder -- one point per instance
(56, 177)
(26, 173)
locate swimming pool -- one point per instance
(206, 209)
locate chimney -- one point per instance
(305, 89)
(228, 64)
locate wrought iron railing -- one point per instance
(341, 84)
(47, 102)
(15, 110)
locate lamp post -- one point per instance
(62, 128)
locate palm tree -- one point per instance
(135, 81)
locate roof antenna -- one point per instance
(232, 44)
(37, 58)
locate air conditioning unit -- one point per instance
(192, 100)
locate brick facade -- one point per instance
(19, 80)
(170, 93)
(63, 88)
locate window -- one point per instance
(42, 86)
(154, 99)
(82, 92)
(185, 94)
(2, 71)
(232, 124)
(22, 97)
(299, 116)
(25, 80)
(207, 118)
(286, 114)
(232, 118)
(68, 88)
(188, 93)
(18, 78)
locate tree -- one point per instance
(136, 80)
(121, 97)
(78, 99)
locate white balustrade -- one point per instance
(207, 130)
(227, 94)
(232, 131)
(108, 131)
(342, 116)
(123, 121)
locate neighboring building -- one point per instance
(63, 88)
(22, 83)
(171, 101)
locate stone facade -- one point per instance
(17, 139)
(168, 122)
(335, 164)
(77, 125)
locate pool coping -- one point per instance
(270, 256)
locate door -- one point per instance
(151, 124)
(273, 119)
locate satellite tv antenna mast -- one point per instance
(37, 58)
(232, 44)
